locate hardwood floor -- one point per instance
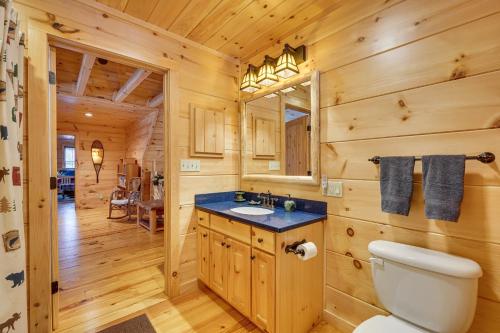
(111, 271)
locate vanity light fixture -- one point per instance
(287, 90)
(266, 76)
(249, 84)
(271, 95)
(286, 65)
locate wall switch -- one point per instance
(324, 184)
(190, 165)
(274, 165)
(334, 189)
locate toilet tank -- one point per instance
(431, 289)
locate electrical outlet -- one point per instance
(190, 165)
(274, 165)
(334, 189)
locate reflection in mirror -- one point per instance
(278, 132)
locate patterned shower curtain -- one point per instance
(13, 306)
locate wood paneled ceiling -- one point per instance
(105, 79)
(240, 28)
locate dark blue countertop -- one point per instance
(307, 212)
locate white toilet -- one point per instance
(426, 291)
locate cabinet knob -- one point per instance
(357, 264)
(201, 218)
(223, 243)
(228, 246)
(260, 240)
(205, 235)
(350, 232)
(252, 257)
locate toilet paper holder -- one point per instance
(292, 248)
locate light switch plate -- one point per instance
(334, 189)
(274, 165)
(190, 165)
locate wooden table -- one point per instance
(154, 208)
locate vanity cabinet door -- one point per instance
(239, 276)
(218, 264)
(204, 255)
(263, 290)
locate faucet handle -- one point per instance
(274, 201)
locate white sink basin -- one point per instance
(252, 211)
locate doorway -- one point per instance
(106, 259)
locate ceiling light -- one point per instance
(88, 114)
(266, 75)
(286, 65)
(271, 95)
(287, 90)
(249, 84)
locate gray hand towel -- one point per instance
(396, 183)
(443, 185)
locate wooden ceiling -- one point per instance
(105, 79)
(240, 28)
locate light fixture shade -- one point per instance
(249, 82)
(286, 65)
(266, 76)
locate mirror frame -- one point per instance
(313, 179)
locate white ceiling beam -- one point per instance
(101, 102)
(133, 82)
(155, 101)
(84, 75)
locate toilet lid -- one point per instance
(390, 324)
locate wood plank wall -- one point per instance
(197, 75)
(138, 137)
(90, 194)
(404, 78)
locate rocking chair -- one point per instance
(124, 200)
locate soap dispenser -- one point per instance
(289, 204)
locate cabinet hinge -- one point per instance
(55, 287)
(52, 77)
(53, 183)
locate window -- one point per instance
(69, 157)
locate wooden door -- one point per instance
(204, 255)
(263, 290)
(297, 147)
(53, 197)
(218, 264)
(239, 276)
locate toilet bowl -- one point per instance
(426, 291)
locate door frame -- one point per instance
(41, 126)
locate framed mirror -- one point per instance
(280, 132)
(97, 151)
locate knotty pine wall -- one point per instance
(404, 78)
(197, 75)
(88, 193)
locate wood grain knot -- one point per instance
(357, 264)
(401, 103)
(174, 274)
(349, 254)
(350, 232)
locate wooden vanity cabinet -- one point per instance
(203, 254)
(263, 290)
(239, 276)
(248, 267)
(218, 264)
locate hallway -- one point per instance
(107, 268)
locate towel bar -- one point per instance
(485, 157)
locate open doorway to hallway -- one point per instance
(109, 255)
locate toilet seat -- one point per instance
(389, 324)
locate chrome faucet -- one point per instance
(267, 199)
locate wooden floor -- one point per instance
(111, 271)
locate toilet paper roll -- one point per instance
(310, 251)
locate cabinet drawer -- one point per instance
(203, 218)
(263, 239)
(235, 230)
